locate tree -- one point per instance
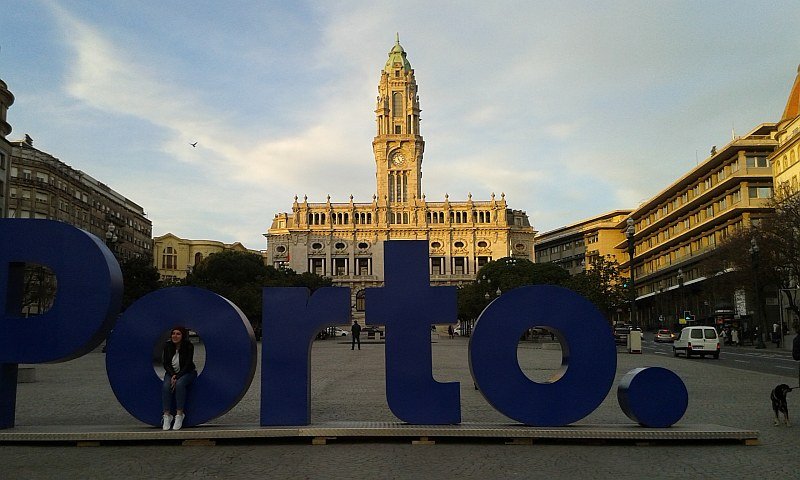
(139, 277)
(602, 285)
(781, 232)
(39, 289)
(732, 265)
(240, 277)
(505, 274)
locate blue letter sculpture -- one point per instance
(588, 355)
(229, 344)
(408, 306)
(653, 396)
(291, 321)
(89, 294)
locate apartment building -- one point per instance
(573, 247)
(678, 227)
(6, 100)
(42, 186)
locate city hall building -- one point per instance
(344, 240)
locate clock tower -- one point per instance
(398, 145)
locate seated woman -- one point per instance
(180, 372)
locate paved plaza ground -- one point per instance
(349, 385)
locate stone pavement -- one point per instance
(348, 385)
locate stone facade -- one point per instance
(6, 100)
(42, 186)
(785, 165)
(175, 257)
(344, 240)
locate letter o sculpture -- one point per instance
(588, 355)
(230, 353)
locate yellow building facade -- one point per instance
(785, 164)
(573, 247)
(344, 240)
(175, 257)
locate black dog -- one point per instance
(778, 397)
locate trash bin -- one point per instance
(635, 341)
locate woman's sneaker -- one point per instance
(166, 421)
(178, 422)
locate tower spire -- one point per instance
(398, 145)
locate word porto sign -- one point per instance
(88, 300)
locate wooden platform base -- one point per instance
(323, 433)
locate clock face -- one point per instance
(398, 159)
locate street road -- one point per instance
(768, 360)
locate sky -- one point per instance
(570, 108)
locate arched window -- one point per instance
(397, 105)
(198, 257)
(169, 259)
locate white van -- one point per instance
(697, 341)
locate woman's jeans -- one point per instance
(180, 390)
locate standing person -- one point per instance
(356, 331)
(776, 334)
(734, 336)
(180, 372)
(450, 331)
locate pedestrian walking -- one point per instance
(355, 331)
(450, 331)
(734, 336)
(179, 373)
(776, 334)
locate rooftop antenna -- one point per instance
(696, 158)
(733, 132)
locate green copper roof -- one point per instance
(397, 54)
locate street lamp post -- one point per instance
(629, 233)
(757, 311)
(111, 238)
(680, 294)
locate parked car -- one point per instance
(340, 332)
(664, 335)
(621, 332)
(697, 341)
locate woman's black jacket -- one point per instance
(186, 358)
